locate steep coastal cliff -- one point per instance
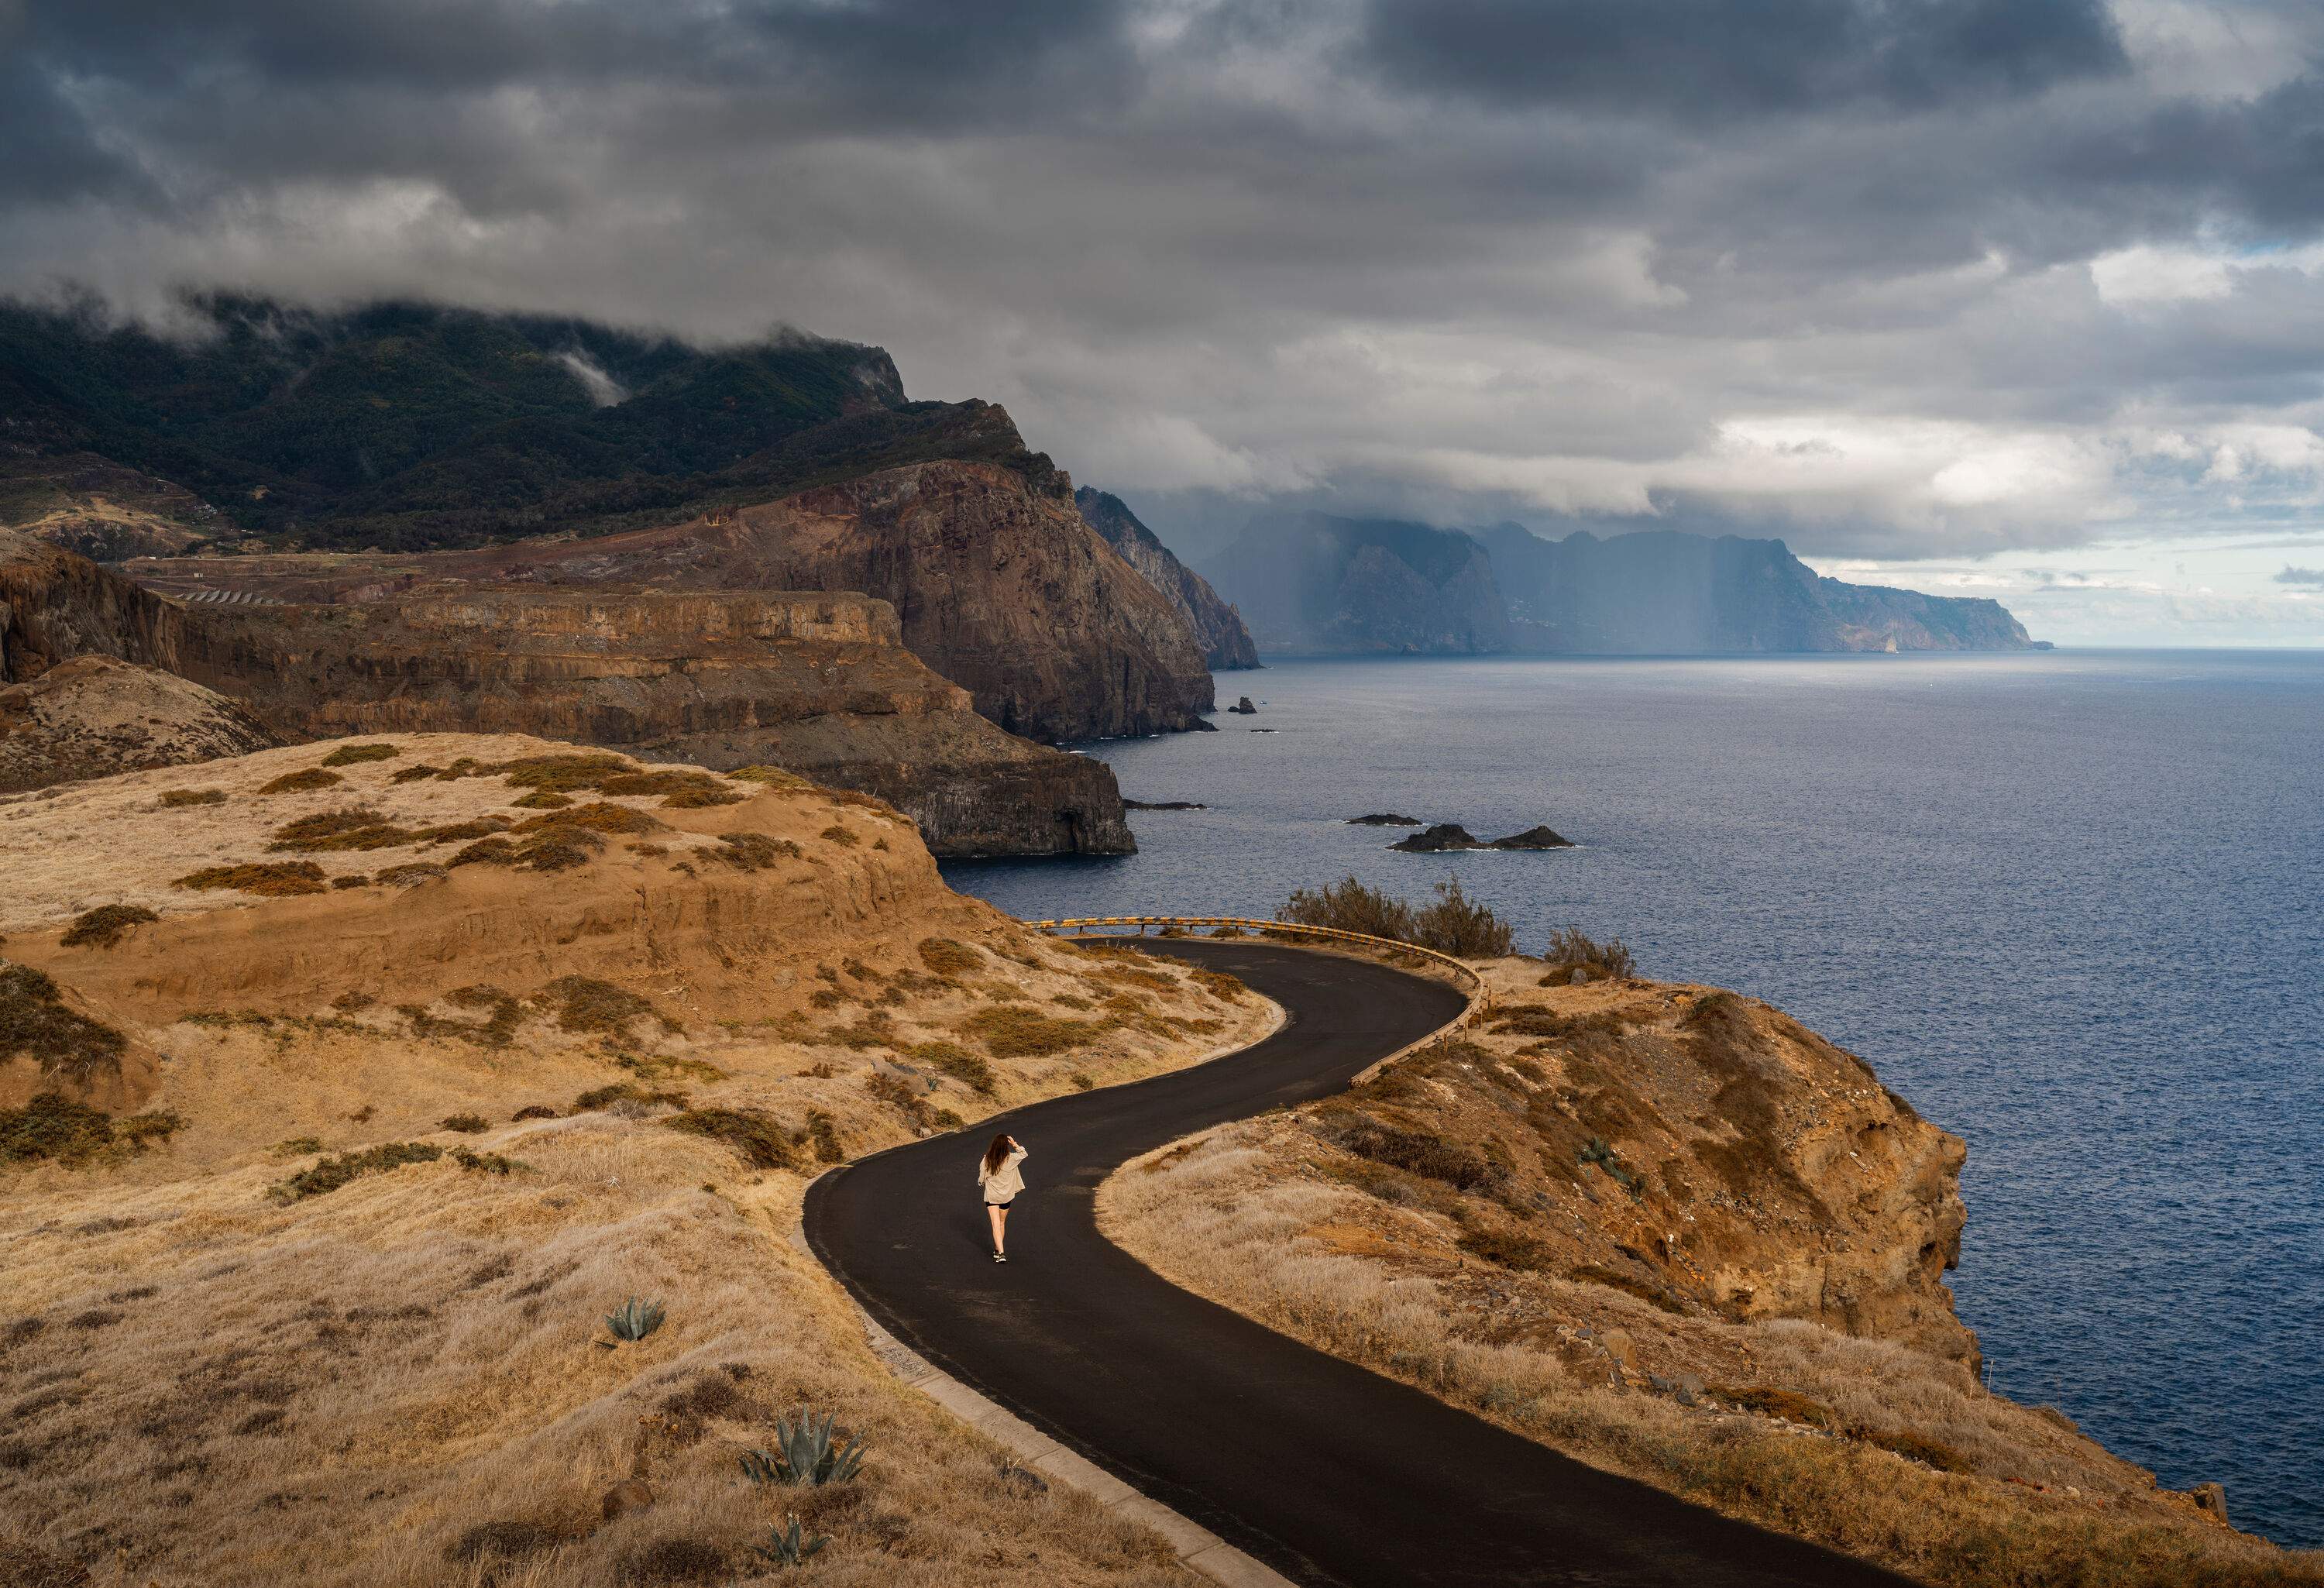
(816, 684)
(999, 584)
(1665, 592)
(1317, 583)
(1218, 628)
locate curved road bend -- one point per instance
(1326, 1471)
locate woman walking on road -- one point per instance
(997, 1177)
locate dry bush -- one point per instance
(772, 777)
(1219, 985)
(413, 774)
(755, 1135)
(680, 789)
(269, 879)
(66, 1044)
(1416, 1152)
(950, 1058)
(104, 925)
(177, 798)
(1571, 949)
(466, 1124)
(948, 956)
(321, 1179)
(845, 837)
(409, 873)
(585, 1003)
(562, 774)
(752, 852)
(302, 782)
(597, 816)
(1013, 1032)
(1458, 926)
(542, 800)
(51, 1126)
(356, 755)
(1350, 907)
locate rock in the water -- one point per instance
(1379, 819)
(1243, 708)
(1533, 838)
(1442, 836)
(1163, 805)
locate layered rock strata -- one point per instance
(1218, 627)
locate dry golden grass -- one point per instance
(396, 1377)
(1369, 1248)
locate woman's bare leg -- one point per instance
(999, 1225)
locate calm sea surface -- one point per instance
(2070, 904)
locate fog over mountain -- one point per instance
(2014, 300)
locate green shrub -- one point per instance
(633, 1320)
(34, 1022)
(805, 1455)
(467, 1124)
(104, 925)
(485, 1163)
(356, 755)
(786, 1547)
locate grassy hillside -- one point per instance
(409, 425)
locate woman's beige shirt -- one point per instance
(1004, 1182)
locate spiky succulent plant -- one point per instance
(785, 1547)
(634, 1320)
(803, 1456)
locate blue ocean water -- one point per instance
(2070, 904)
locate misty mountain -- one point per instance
(409, 426)
(1314, 583)
(1324, 585)
(1217, 627)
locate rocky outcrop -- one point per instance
(1218, 627)
(1667, 593)
(999, 584)
(1317, 584)
(94, 716)
(1448, 836)
(1384, 818)
(818, 683)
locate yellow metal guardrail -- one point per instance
(1078, 925)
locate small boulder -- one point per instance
(1443, 836)
(1617, 1344)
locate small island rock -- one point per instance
(1442, 836)
(1533, 838)
(1243, 708)
(1380, 818)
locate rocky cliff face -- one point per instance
(1665, 592)
(999, 584)
(818, 683)
(1217, 627)
(1320, 583)
(94, 716)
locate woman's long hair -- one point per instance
(997, 1154)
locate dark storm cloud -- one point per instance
(1875, 274)
(1702, 60)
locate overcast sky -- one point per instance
(2023, 297)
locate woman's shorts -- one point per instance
(1000, 1201)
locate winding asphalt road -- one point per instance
(1327, 1472)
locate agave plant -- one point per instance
(785, 1547)
(634, 1319)
(803, 1456)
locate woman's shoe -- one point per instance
(997, 1257)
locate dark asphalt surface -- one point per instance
(1326, 1471)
